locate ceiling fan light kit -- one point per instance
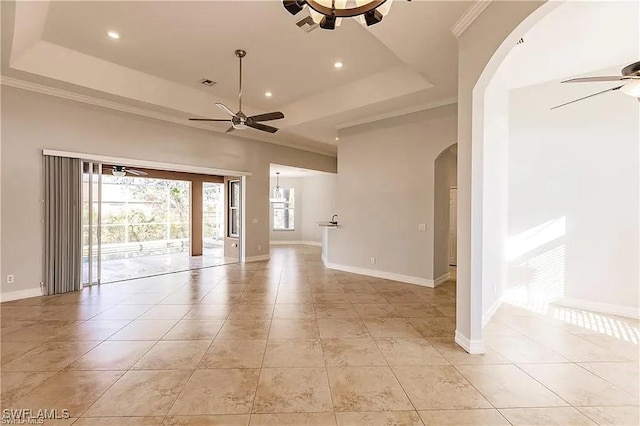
(239, 120)
(328, 14)
(630, 80)
(122, 171)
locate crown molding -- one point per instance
(469, 16)
(118, 106)
(397, 113)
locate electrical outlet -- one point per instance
(254, 220)
(373, 260)
(11, 279)
(259, 247)
(422, 227)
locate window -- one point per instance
(234, 209)
(283, 213)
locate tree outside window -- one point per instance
(283, 213)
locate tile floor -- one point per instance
(288, 342)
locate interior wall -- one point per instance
(298, 212)
(314, 201)
(385, 190)
(445, 171)
(319, 204)
(495, 194)
(32, 122)
(573, 195)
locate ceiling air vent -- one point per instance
(207, 82)
(307, 24)
(520, 41)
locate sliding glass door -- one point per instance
(91, 222)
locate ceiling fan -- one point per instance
(630, 79)
(239, 120)
(122, 171)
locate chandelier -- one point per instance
(329, 13)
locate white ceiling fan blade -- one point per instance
(136, 172)
(225, 109)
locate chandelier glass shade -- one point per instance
(328, 14)
(278, 196)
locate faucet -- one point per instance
(333, 219)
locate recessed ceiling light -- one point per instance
(114, 35)
(337, 138)
(268, 94)
(338, 65)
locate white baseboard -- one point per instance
(491, 311)
(474, 347)
(20, 294)
(442, 279)
(603, 308)
(296, 242)
(257, 258)
(381, 274)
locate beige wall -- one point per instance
(492, 31)
(444, 178)
(385, 190)
(31, 122)
(315, 201)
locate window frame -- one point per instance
(286, 206)
(231, 208)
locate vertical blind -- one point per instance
(63, 224)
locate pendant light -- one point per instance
(277, 191)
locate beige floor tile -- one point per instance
(522, 349)
(140, 393)
(416, 310)
(331, 298)
(244, 330)
(361, 352)
(399, 351)
(13, 350)
(123, 312)
(293, 353)
(342, 327)
(391, 327)
(337, 310)
(613, 416)
(507, 386)
(112, 355)
(144, 330)
(219, 420)
(294, 311)
(251, 312)
(292, 390)
(578, 386)
(71, 390)
(39, 331)
(234, 354)
(434, 327)
(50, 356)
(576, 349)
(294, 297)
(194, 330)
(173, 355)
(293, 419)
(620, 346)
(119, 421)
(376, 310)
(366, 389)
(166, 312)
(379, 418)
(438, 387)
(209, 312)
(558, 416)
(458, 356)
(220, 391)
(294, 329)
(624, 375)
(17, 384)
(92, 330)
(481, 417)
